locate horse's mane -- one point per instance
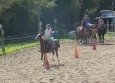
(77, 25)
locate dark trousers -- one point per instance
(49, 43)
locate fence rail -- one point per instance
(20, 37)
(60, 34)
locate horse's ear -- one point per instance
(41, 33)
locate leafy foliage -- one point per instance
(21, 16)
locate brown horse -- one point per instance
(93, 31)
(80, 35)
(44, 46)
(101, 33)
(88, 32)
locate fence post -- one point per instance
(107, 26)
(112, 26)
(2, 38)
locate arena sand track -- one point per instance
(25, 66)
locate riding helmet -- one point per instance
(48, 25)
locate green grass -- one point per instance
(108, 36)
(14, 46)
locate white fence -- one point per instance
(110, 30)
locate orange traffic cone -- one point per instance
(76, 52)
(46, 64)
(94, 45)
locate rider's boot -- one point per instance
(50, 44)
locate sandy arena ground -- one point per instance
(92, 66)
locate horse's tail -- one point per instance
(58, 43)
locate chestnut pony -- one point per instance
(44, 46)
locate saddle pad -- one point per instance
(53, 45)
(80, 28)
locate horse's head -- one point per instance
(94, 26)
(39, 36)
(102, 27)
(78, 28)
(77, 25)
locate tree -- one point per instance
(21, 16)
(88, 7)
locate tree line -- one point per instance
(21, 16)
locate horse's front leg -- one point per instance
(56, 50)
(85, 40)
(76, 37)
(81, 39)
(95, 36)
(89, 39)
(53, 55)
(103, 38)
(99, 38)
(42, 58)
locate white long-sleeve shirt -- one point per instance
(48, 33)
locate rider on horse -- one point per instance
(48, 36)
(83, 24)
(101, 23)
(87, 20)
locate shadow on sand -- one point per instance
(56, 66)
(90, 44)
(107, 44)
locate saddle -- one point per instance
(102, 27)
(88, 26)
(50, 43)
(81, 28)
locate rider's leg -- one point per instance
(49, 44)
(83, 29)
